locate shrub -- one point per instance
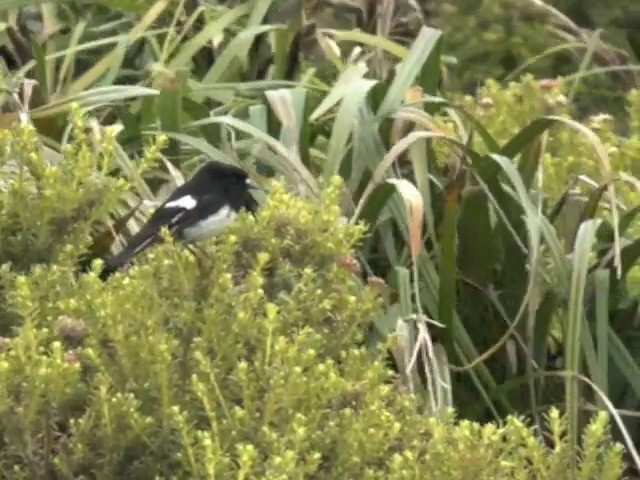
(49, 206)
(241, 360)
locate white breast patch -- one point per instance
(211, 225)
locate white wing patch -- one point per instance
(187, 202)
(211, 225)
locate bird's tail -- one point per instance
(136, 244)
(116, 262)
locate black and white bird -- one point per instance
(201, 207)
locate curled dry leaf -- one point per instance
(399, 129)
(377, 283)
(401, 126)
(415, 212)
(329, 47)
(485, 102)
(413, 94)
(350, 264)
(548, 83)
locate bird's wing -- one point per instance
(206, 206)
(213, 204)
(168, 214)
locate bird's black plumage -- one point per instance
(200, 207)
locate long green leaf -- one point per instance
(408, 70)
(198, 144)
(343, 85)
(374, 41)
(287, 165)
(601, 287)
(188, 49)
(236, 49)
(94, 97)
(100, 67)
(344, 124)
(448, 255)
(575, 321)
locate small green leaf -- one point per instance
(525, 137)
(92, 98)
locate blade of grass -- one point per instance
(95, 72)
(592, 44)
(408, 70)
(344, 123)
(368, 39)
(197, 143)
(342, 87)
(216, 27)
(65, 73)
(281, 102)
(448, 255)
(548, 232)
(601, 287)
(292, 169)
(92, 98)
(574, 324)
(237, 48)
(393, 154)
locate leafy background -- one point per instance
(491, 147)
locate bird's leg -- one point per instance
(198, 252)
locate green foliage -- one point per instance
(504, 110)
(504, 36)
(42, 211)
(567, 156)
(511, 36)
(241, 361)
(36, 232)
(436, 184)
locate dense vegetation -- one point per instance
(448, 224)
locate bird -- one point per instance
(199, 208)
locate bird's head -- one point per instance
(227, 174)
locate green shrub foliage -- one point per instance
(241, 360)
(48, 200)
